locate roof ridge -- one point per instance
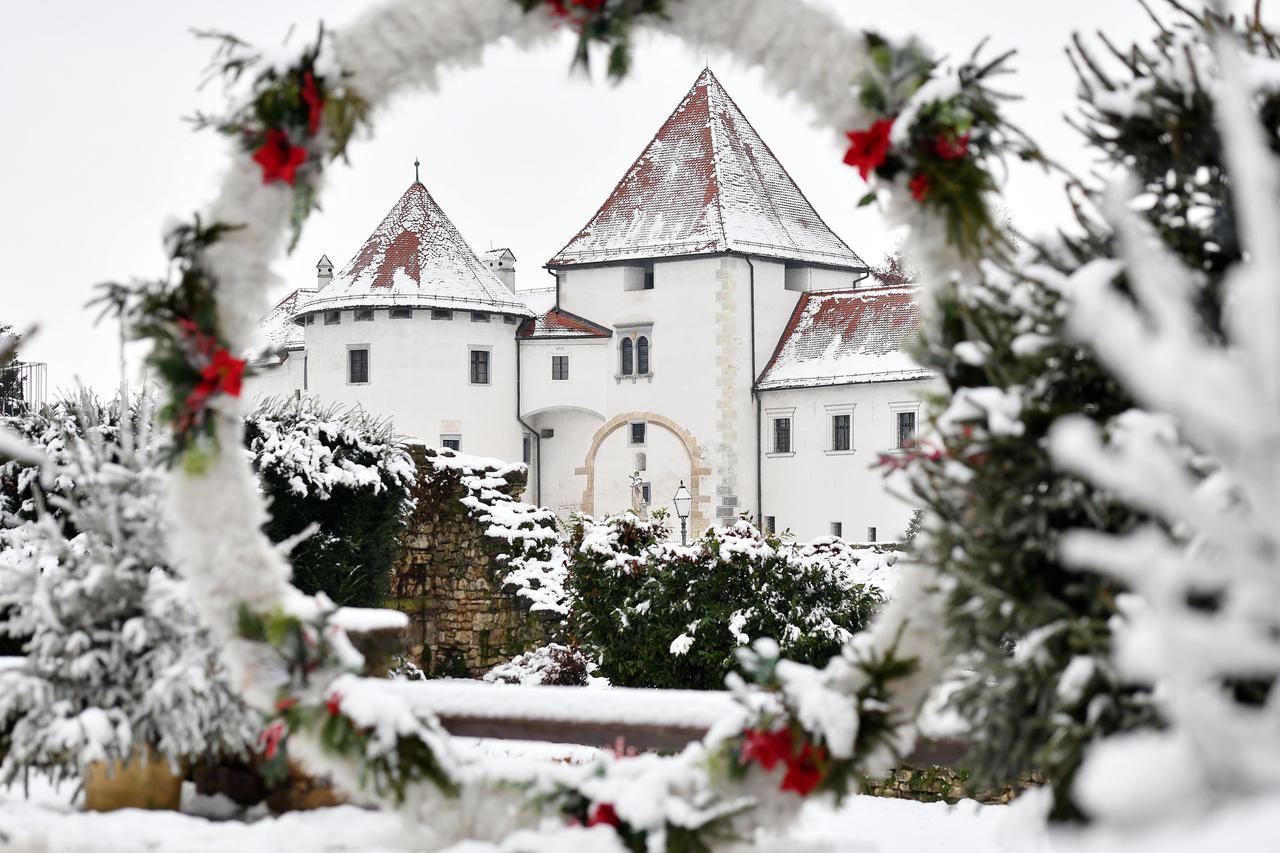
(715, 149)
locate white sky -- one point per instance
(94, 154)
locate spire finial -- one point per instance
(416, 179)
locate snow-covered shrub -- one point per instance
(664, 615)
(526, 539)
(1203, 630)
(115, 658)
(553, 663)
(345, 473)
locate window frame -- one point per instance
(775, 415)
(835, 411)
(626, 357)
(488, 365)
(558, 359)
(631, 434)
(896, 409)
(441, 313)
(362, 315)
(455, 437)
(368, 363)
(404, 313)
(629, 338)
(336, 314)
(481, 317)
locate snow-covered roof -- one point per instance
(839, 337)
(277, 329)
(416, 257)
(496, 254)
(539, 300)
(707, 184)
(558, 323)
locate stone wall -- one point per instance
(942, 784)
(461, 623)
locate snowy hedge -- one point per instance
(664, 615)
(345, 473)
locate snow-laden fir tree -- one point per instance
(1034, 633)
(115, 658)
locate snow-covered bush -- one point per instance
(664, 615)
(1202, 630)
(555, 664)
(345, 473)
(115, 658)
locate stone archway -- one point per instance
(698, 518)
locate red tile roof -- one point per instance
(847, 336)
(558, 323)
(707, 184)
(417, 257)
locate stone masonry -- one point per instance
(460, 622)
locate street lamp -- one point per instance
(683, 500)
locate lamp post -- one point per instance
(683, 500)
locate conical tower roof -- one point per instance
(707, 184)
(416, 257)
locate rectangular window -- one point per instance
(871, 534)
(401, 313)
(840, 432)
(310, 319)
(479, 367)
(646, 492)
(638, 432)
(479, 317)
(527, 447)
(906, 429)
(452, 442)
(363, 315)
(510, 319)
(648, 279)
(770, 524)
(559, 367)
(441, 314)
(837, 528)
(332, 318)
(357, 366)
(782, 435)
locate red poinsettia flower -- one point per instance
(315, 103)
(197, 399)
(225, 373)
(286, 703)
(279, 160)
(869, 148)
(920, 187)
(766, 748)
(272, 735)
(951, 149)
(604, 813)
(334, 704)
(804, 772)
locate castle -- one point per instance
(706, 327)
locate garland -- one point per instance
(607, 22)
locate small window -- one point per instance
(363, 315)
(479, 367)
(871, 534)
(648, 279)
(642, 356)
(626, 349)
(638, 430)
(837, 528)
(357, 366)
(646, 493)
(441, 314)
(527, 448)
(401, 313)
(479, 317)
(559, 367)
(332, 318)
(782, 435)
(452, 442)
(642, 462)
(906, 429)
(770, 524)
(309, 320)
(840, 432)
(510, 319)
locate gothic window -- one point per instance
(627, 367)
(642, 356)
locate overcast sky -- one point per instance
(94, 152)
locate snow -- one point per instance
(836, 337)
(706, 184)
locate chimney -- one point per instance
(324, 272)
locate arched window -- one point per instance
(642, 356)
(627, 364)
